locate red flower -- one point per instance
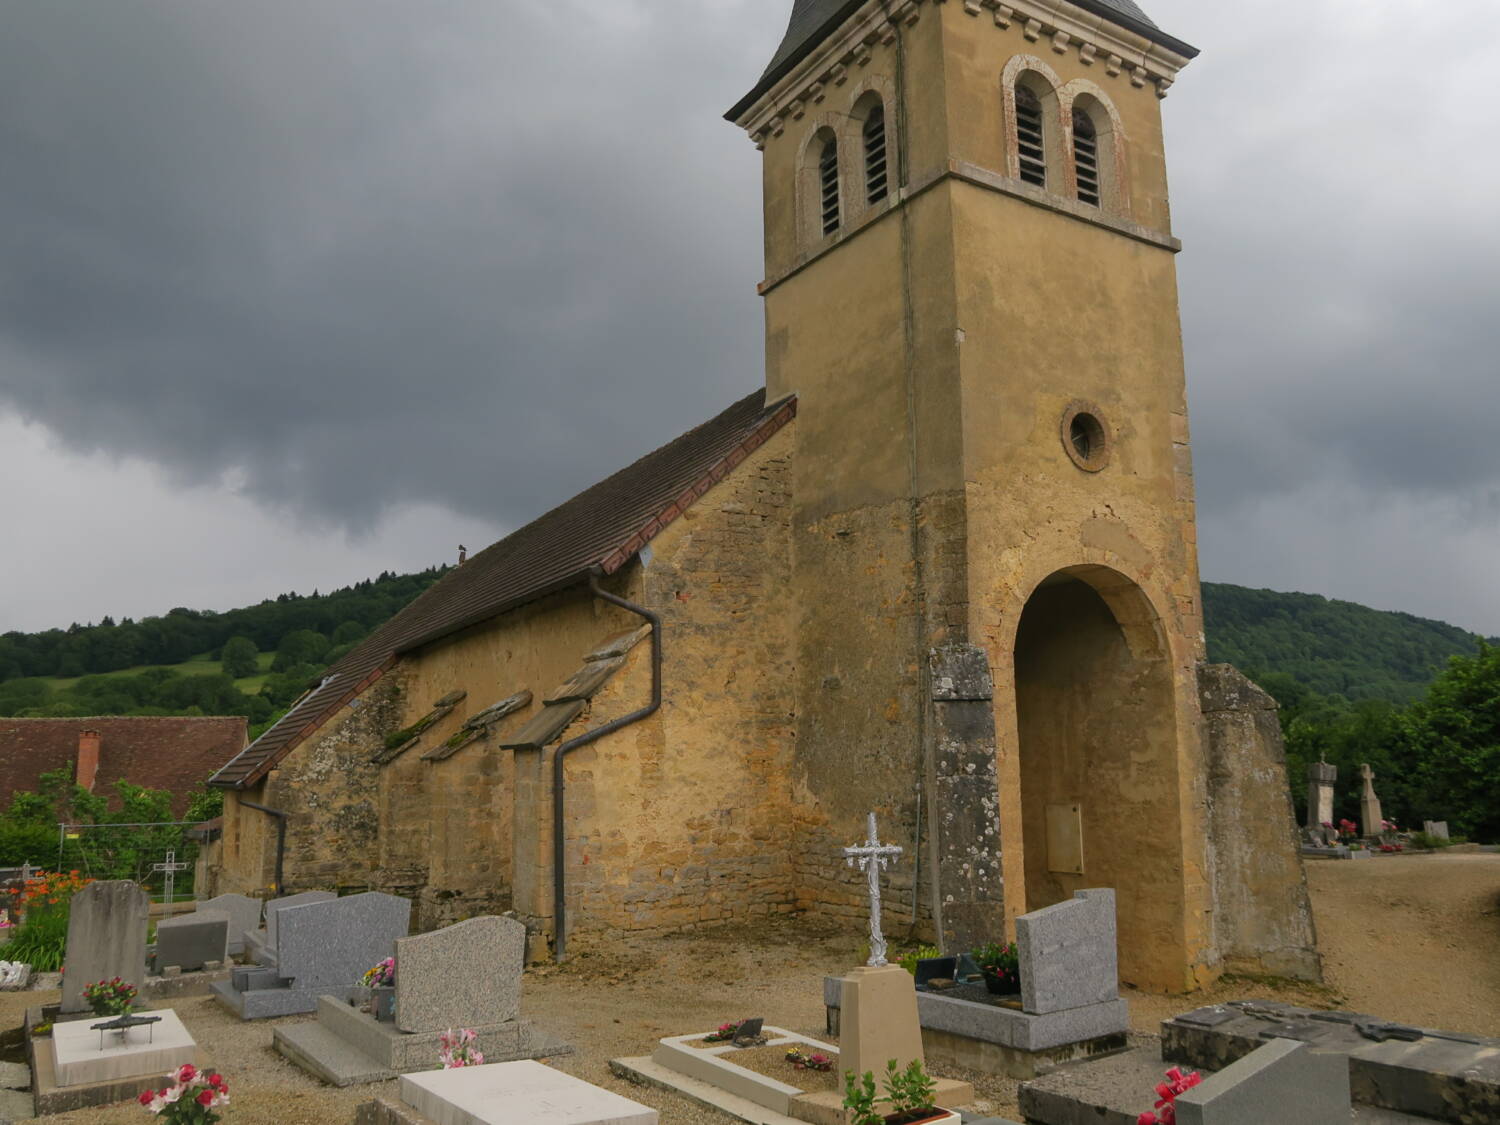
(205, 1097)
(187, 1072)
(146, 1096)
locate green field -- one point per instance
(197, 666)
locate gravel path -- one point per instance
(1408, 938)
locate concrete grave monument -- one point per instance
(244, 916)
(256, 943)
(321, 946)
(106, 939)
(191, 942)
(1438, 829)
(503, 1093)
(1369, 804)
(467, 975)
(1070, 1003)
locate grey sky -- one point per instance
(291, 292)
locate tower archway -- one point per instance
(1100, 799)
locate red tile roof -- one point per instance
(602, 527)
(177, 754)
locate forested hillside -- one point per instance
(1329, 647)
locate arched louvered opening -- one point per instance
(1031, 141)
(877, 170)
(1086, 157)
(828, 186)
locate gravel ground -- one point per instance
(1408, 938)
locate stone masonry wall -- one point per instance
(682, 821)
(1263, 918)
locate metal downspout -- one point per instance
(559, 871)
(281, 819)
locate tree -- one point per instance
(301, 646)
(238, 658)
(1451, 747)
(348, 633)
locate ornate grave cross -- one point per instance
(169, 869)
(873, 857)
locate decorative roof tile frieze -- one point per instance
(827, 37)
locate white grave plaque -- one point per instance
(139, 1052)
(507, 1093)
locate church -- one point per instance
(942, 567)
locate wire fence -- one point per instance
(157, 856)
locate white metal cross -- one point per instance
(169, 869)
(873, 857)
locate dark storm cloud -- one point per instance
(371, 253)
(358, 255)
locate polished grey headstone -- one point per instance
(192, 940)
(327, 946)
(462, 976)
(276, 905)
(1068, 955)
(244, 916)
(106, 938)
(1283, 1081)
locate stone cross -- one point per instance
(872, 857)
(1369, 804)
(169, 869)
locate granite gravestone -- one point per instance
(463, 976)
(277, 905)
(1068, 955)
(106, 939)
(244, 916)
(327, 946)
(1437, 829)
(1320, 780)
(191, 941)
(322, 946)
(1283, 1081)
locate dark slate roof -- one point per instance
(814, 20)
(603, 527)
(176, 753)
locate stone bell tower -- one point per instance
(970, 285)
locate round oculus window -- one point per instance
(1085, 437)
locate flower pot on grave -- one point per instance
(1002, 984)
(383, 1004)
(932, 1116)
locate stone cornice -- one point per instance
(976, 176)
(1117, 50)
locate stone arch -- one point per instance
(1034, 74)
(826, 126)
(871, 90)
(1114, 180)
(1097, 747)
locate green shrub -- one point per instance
(41, 941)
(921, 953)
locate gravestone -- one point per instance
(84, 1053)
(1320, 779)
(322, 946)
(244, 916)
(106, 939)
(190, 941)
(1369, 804)
(1068, 954)
(463, 976)
(1283, 1081)
(277, 905)
(1438, 829)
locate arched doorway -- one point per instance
(1100, 800)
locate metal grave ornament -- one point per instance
(873, 857)
(169, 869)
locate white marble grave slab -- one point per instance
(506, 1093)
(142, 1051)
